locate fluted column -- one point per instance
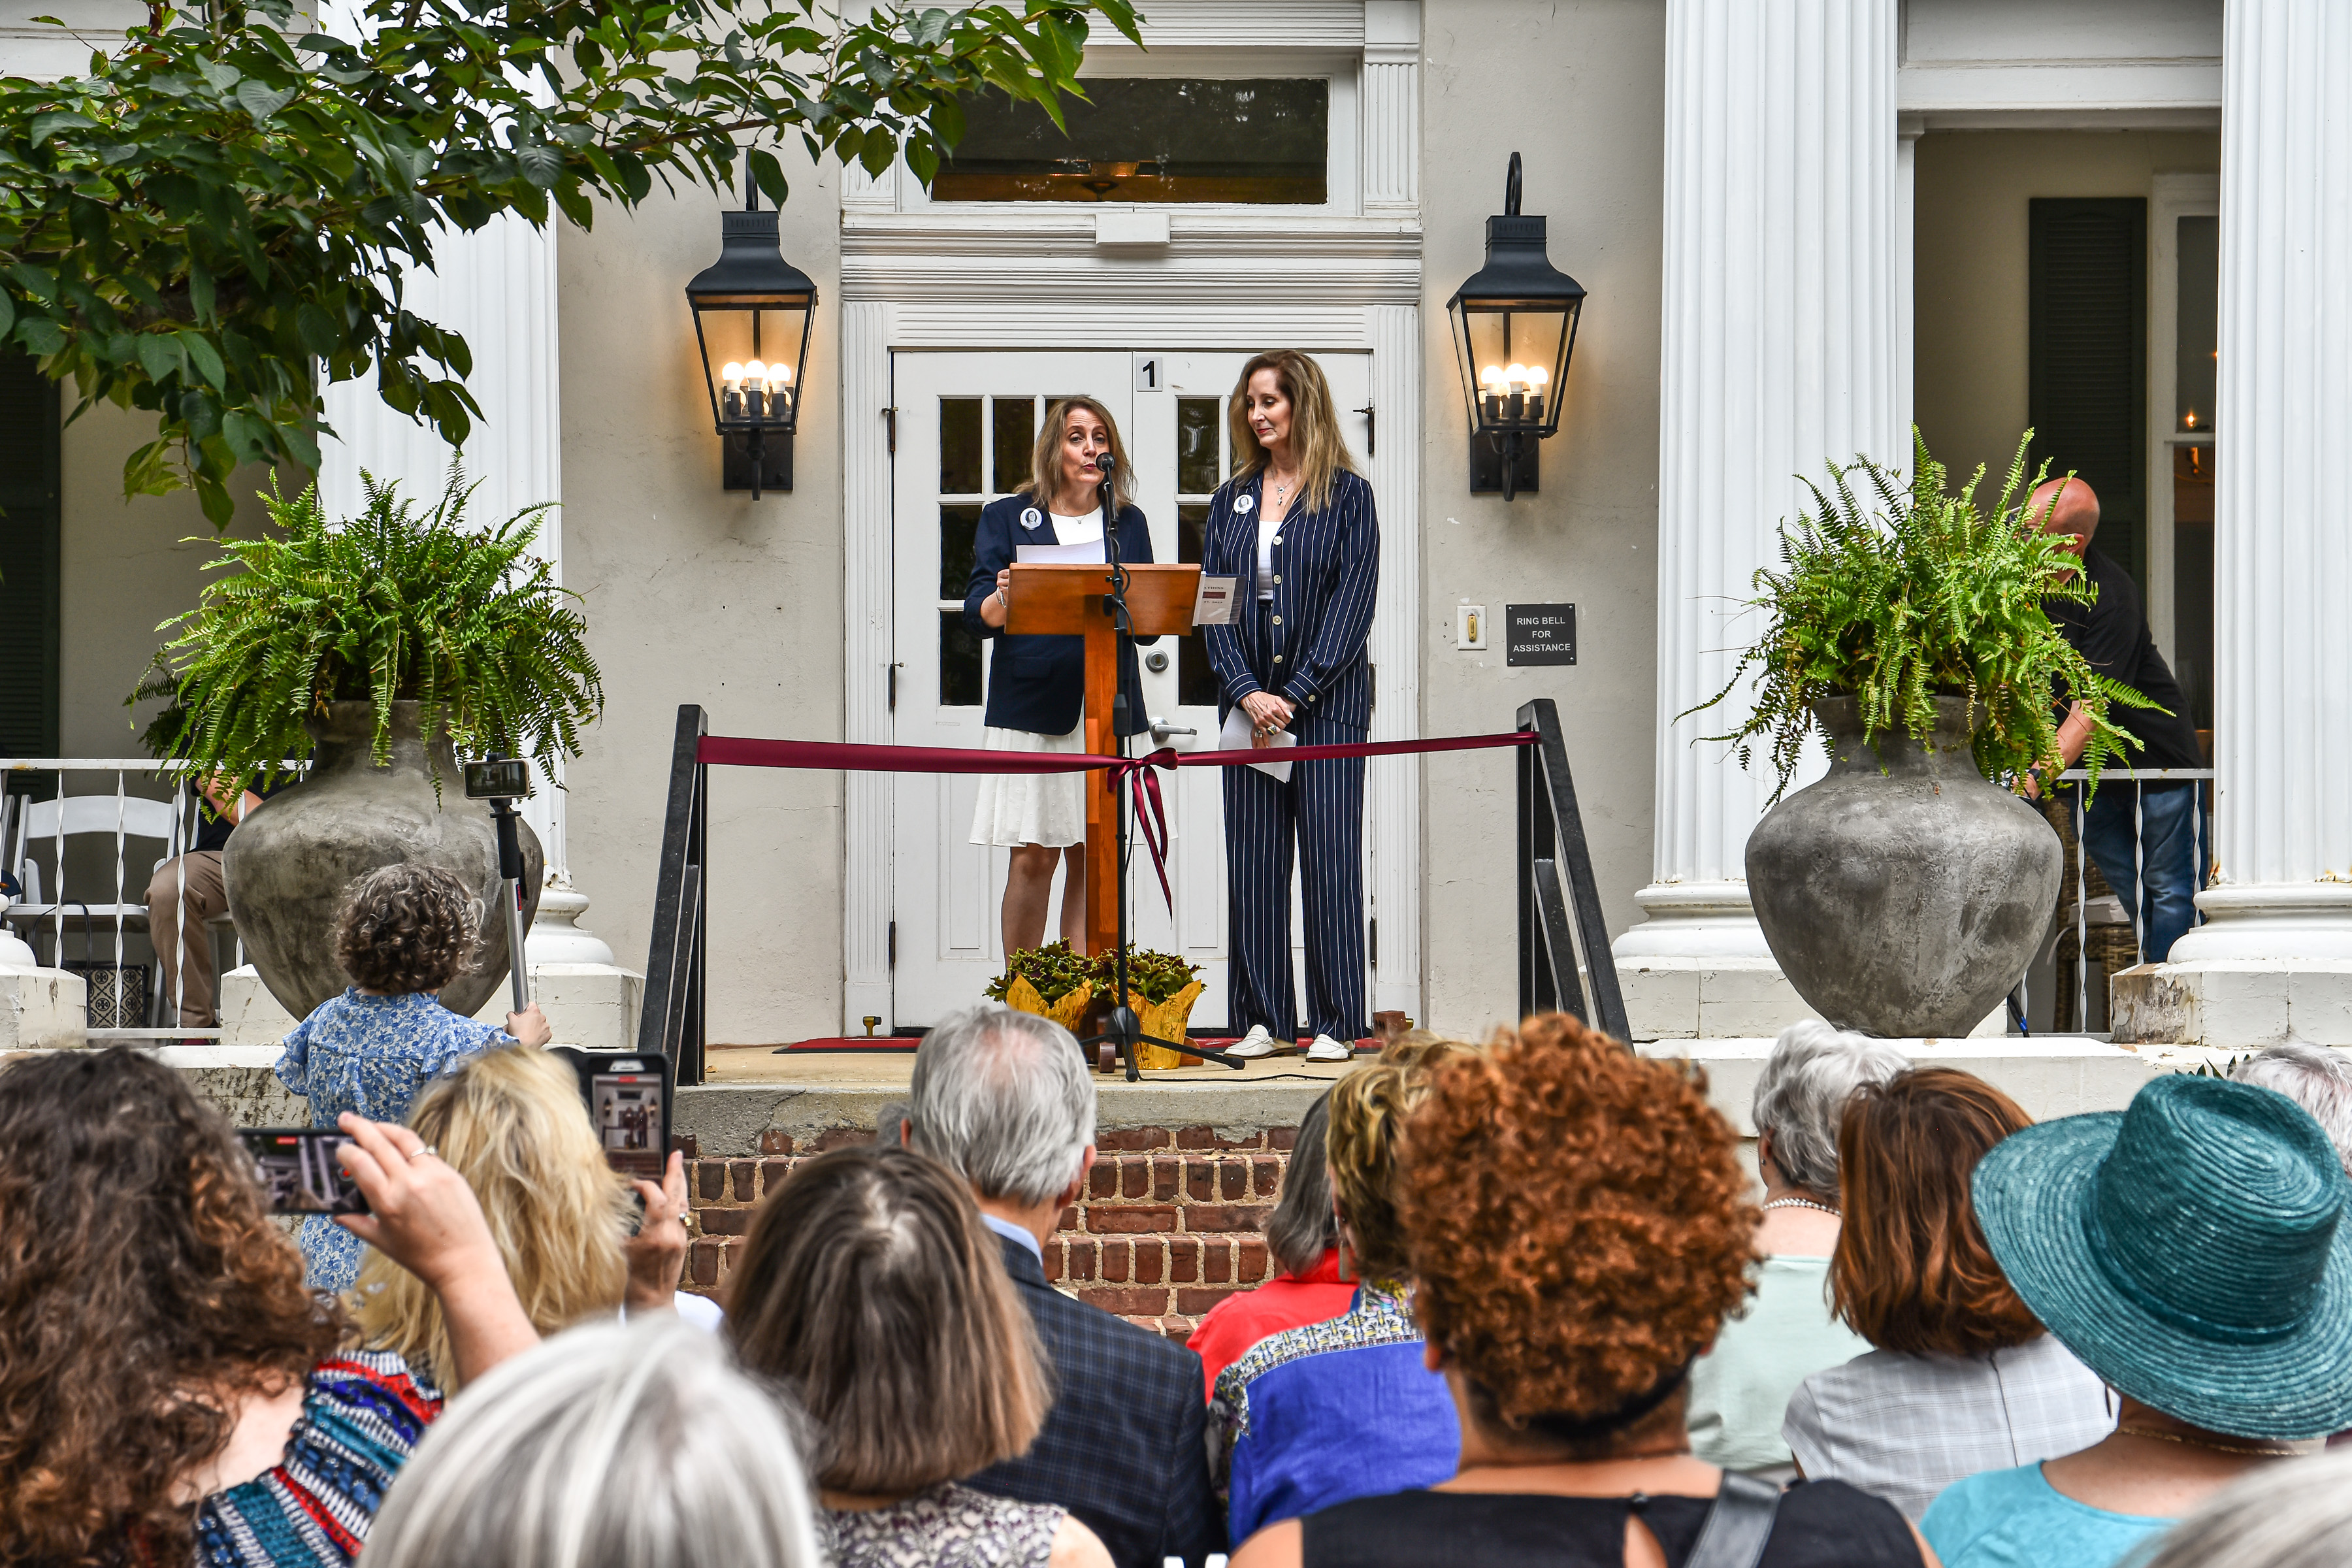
(2276, 960)
(1783, 305)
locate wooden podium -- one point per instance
(1073, 601)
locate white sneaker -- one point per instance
(1327, 1049)
(1255, 1044)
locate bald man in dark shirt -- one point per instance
(2112, 635)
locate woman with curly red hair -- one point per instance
(1579, 1231)
(169, 1390)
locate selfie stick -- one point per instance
(511, 880)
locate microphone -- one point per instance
(1107, 464)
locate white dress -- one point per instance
(1037, 808)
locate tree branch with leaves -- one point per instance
(222, 213)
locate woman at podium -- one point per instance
(1036, 685)
(1296, 525)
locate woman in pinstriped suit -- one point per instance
(1297, 523)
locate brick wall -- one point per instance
(1168, 1227)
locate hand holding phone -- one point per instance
(300, 1170)
(657, 1253)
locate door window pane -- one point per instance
(2192, 584)
(957, 526)
(1015, 433)
(2198, 317)
(960, 447)
(1196, 682)
(959, 684)
(1196, 446)
(1266, 140)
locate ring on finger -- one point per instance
(420, 1151)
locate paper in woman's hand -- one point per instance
(1240, 735)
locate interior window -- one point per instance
(1149, 138)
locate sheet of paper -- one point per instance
(1212, 602)
(1240, 735)
(1058, 554)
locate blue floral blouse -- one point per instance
(370, 1055)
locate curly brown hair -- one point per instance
(143, 1290)
(407, 928)
(1911, 1271)
(1580, 1226)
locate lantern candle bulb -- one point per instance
(755, 389)
(731, 389)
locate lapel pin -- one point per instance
(1032, 518)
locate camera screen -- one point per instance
(299, 1168)
(505, 780)
(626, 1108)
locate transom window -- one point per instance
(1151, 139)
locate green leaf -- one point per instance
(205, 357)
(541, 164)
(45, 126)
(317, 331)
(261, 101)
(7, 314)
(159, 357)
(881, 151)
(769, 175)
(41, 335)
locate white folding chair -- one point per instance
(53, 822)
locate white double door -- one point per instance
(967, 424)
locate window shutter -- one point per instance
(2088, 359)
(28, 560)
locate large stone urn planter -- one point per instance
(288, 863)
(1903, 895)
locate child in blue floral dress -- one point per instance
(404, 933)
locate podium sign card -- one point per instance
(1539, 634)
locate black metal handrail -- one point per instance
(1564, 959)
(672, 1021)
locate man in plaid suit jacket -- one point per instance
(1004, 1098)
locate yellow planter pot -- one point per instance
(1166, 1019)
(1022, 997)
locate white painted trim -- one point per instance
(2171, 197)
(867, 653)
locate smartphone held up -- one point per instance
(628, 1097)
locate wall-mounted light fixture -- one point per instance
(751, 310)
(1513, 328)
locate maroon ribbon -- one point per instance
(1151, 814)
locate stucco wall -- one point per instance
(1585, 86)
(700, 595)
(1971, 195)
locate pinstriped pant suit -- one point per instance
(1307, 646)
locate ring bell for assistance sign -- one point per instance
(1539, 634)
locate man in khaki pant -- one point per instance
(187, 891)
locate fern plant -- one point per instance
(1925, 594)
(394, 604)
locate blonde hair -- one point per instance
(1045, 458)
(510, 1121)
(1367, 1116)
(1314, 425)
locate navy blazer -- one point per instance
(1327, 568)
(1124, 1446)
(1039, 683)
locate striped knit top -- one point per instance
(363, 1413)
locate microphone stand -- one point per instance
(1123, 1028)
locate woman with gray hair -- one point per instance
(1740, 1389)
(610, 1446)
(2290, 1516)
(2316, 1078)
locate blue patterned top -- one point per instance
(363, 1415)
(1333, 1412)
(369, 1055)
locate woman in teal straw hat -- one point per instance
(2194, 1252)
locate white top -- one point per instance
(1907, 1426)
(1266, 530)
(1087, 529)
(1740, 1390)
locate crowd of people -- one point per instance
(1533, 1311)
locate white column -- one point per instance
(2276, 960)
(1781, 350)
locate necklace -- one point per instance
(1803, 1204)
(2276, 1450)
(1282, 488)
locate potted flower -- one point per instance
(1074, 991)
(1905, 893)
(382, 645)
